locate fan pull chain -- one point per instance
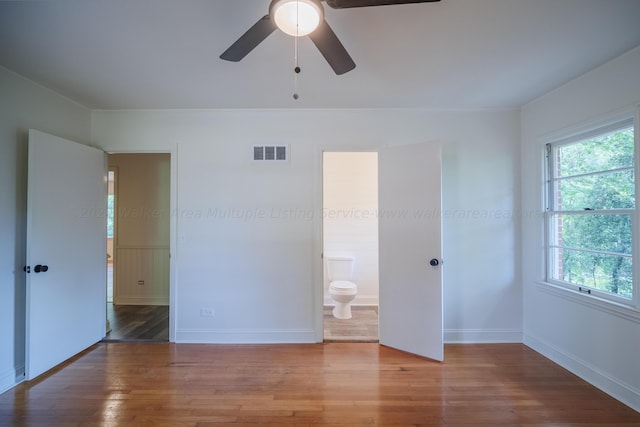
(296, 68)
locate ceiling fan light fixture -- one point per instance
(296, 17)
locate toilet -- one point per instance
(341, 289)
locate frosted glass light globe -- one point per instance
(296, 17)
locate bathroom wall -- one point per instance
(350, 223)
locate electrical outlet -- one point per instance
(207, 312)
(140, 282)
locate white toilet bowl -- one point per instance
(341, 289)
(342, 292)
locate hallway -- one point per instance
(138, 323)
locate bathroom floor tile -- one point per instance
(362, 327)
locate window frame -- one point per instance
(550, 177)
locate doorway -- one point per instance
(350, 230)
(409, 215)
(138, 208)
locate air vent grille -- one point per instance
(278, 153)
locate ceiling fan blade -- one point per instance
(332, 49)
(345, 4)
(249, 40)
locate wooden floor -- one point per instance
(362, 327)
(162, 384)
(138, 322)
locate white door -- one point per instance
(66, 250)
(410, 231)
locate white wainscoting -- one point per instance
(141, 275)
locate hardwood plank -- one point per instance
(325, 384)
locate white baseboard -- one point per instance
(614, 387)
(10, 378)
(142, 301)
(242, 336)
(359, 300)
(475, 336)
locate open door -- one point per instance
(410, 249)
(66, 250)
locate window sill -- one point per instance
(611, 307)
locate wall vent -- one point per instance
(276, 153)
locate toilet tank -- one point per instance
(339, 268)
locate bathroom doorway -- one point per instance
(350, 229)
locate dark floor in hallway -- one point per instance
(138, 322)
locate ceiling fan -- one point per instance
(305, 17)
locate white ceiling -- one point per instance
(123, 54)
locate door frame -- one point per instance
(318, 259)
(173, 209)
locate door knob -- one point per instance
(434, 262)
(41, 268)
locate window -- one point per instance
(110, 215)
(590, 215)
(111, 178)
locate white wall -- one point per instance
(350, 222)
(248, 234)
(23, 105)
(600, 346)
